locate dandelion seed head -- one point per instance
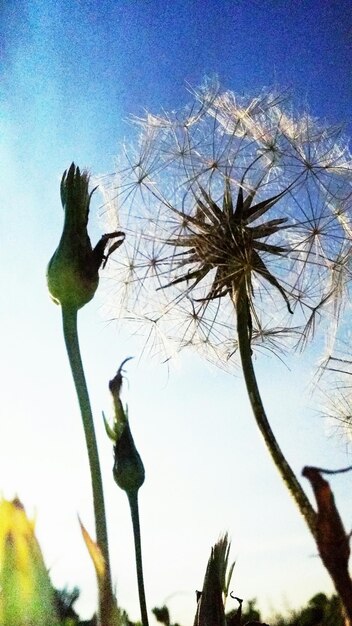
(231, 193)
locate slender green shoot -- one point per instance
(69, 317)
(133, 502)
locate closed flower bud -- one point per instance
(73, 270)
(128, 467)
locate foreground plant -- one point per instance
(216, 589)
(238, 212)
(73, 277)
(212, 598)
(27, 596)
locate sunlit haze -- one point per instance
(72, 75)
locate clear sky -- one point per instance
(72, 74)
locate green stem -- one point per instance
(69, 318)
(293, 485)
(133, 502)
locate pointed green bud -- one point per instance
(27, 596)
(128, 467)
(73, 270)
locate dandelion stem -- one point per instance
(287, 474)
(69, 318)
(133, 502)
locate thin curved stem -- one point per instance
(133, 502)
(69, 318)
(243, 324)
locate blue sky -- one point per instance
(72, 74)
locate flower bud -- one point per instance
(26, 591)
(73, 270)
(128, 467)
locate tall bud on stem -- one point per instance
(72, 280)
(129, 474)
